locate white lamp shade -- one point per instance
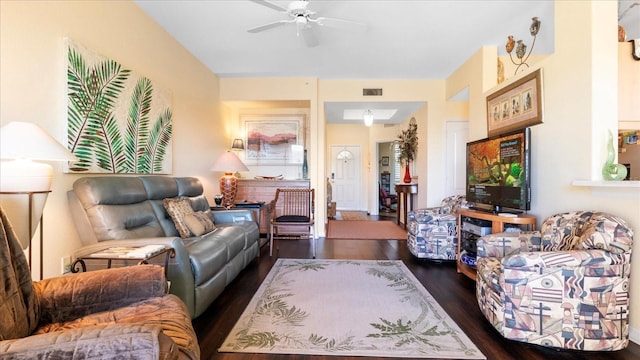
(16, 207)
(22, 178)
(22, 140)
(229, 162)
(25, 175)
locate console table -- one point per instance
(406, 193)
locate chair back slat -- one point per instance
(294, 201)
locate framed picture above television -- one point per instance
(515, 106)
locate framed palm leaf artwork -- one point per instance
(117, 120)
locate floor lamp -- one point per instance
(25, 184)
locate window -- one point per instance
(396, 164)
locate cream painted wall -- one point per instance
(236, 93)
(580, 84)
(477, 74)
(233, 118)
(33, 88)
(580, 97)
(430, 119)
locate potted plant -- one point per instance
(408, 144)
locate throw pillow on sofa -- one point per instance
(178, 208)
(199, 223)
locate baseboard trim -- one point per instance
(634, 335)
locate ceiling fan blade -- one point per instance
(270, 5)
(269, 26)
(308, 34)
(339, 23)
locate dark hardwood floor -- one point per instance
(453, 291)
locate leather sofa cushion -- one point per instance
(159, 187)
(115, 222)
(207, 257)
(103, 190)
(209, 254)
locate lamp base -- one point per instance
(228, 189)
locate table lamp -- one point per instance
(21, 143)
(229, 163)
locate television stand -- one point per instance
(482, 219)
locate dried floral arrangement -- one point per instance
(408, 142)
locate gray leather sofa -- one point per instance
(126, 211)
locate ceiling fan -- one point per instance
(303, 18)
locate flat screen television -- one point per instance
(499, 173)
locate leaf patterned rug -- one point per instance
(347, 308)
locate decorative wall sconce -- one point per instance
(521, 48)
(237, 145)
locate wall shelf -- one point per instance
(607, 184)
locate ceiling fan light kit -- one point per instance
(302, 17)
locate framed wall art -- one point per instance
(385, 161)
(516, 106)
(273, 139)
(118, 121)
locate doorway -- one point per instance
(346, 177)
(388, 175)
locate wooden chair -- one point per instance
(292, 215)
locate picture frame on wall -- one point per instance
(385, 161)
(515, 106)
(273, 139)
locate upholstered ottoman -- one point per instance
(431, 235)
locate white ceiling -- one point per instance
(416, 39)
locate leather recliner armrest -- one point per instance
(69, 297)
(125, 340)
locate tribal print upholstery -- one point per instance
(432, 233)
(565, 286)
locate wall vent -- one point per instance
(371, 92)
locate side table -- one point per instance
(405, 201)
(256, 208)
(140, 253)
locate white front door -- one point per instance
(345, 176)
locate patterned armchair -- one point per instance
(565, 286)
(432, 233)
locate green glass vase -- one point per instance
(611, 170)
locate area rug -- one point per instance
(352, 215)
(367, 230)
(347, 308)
